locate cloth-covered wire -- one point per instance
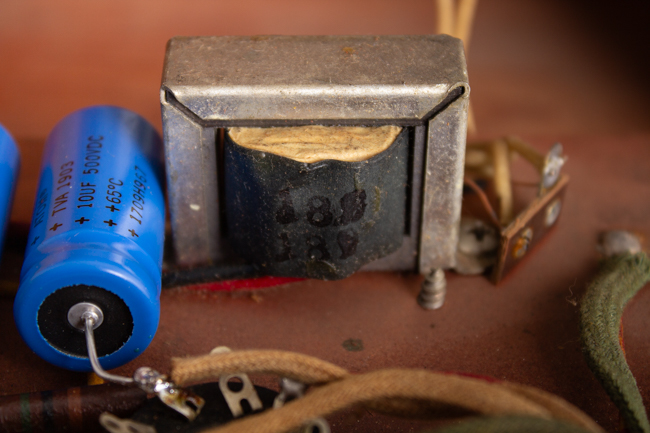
(620, 278)
(510, 424)
(302, 368)
(393, 391)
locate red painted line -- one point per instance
(247, 284)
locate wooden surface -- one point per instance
(539, 69)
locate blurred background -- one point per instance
(545, 70)
(537, 67)
(569, 63)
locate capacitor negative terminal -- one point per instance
(96, 238)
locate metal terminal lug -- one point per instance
(235, 398)
(289, 389)
(316, 425)
(553, 212)
(182, 401)
(115, 424)
(552, 167)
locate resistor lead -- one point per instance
(96, 238)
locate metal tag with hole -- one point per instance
(529, 228)
(115, 424)
(291, 389)
(234, 398)
(159, 418)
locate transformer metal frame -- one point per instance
(419, 82)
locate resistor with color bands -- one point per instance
(67, 410)
(96, 237)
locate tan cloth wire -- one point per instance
(492, 160)
(457, 22)
(296, 366)
(412, 392)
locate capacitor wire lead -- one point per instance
(90, 318)
(185, 402)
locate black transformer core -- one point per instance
(321, 220)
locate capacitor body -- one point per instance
(9, 167)
(96, 236)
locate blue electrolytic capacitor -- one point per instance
(96, 237)
(9, 167)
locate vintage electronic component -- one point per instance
(508, 237)
(70, 410)
(343, 201)
(525, 230)
(9, 167)
(96, 240)
(155, 417)
(396, 210)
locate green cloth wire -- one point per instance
(620, 278)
